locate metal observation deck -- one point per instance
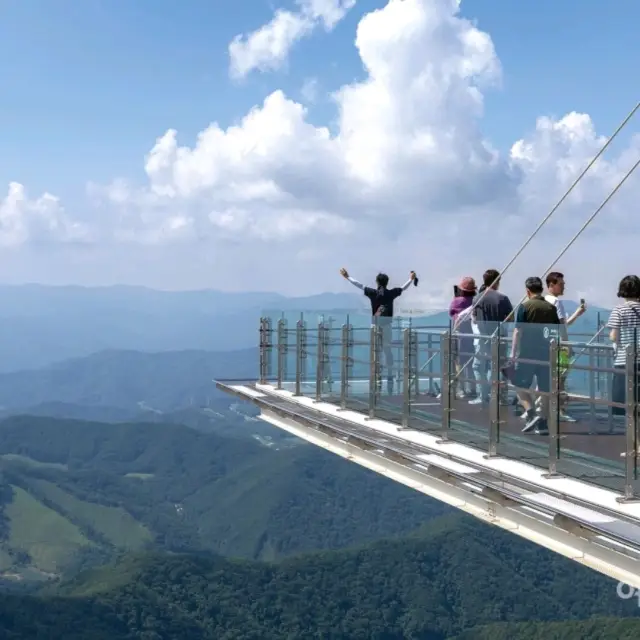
(574, 490)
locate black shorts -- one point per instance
(526, 372)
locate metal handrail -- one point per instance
(330, 348)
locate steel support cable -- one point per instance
(544, 221)
(566, 248)
(613, 136)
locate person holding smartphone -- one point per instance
(555, 290)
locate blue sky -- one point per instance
(88, 86)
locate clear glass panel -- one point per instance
(482, 408)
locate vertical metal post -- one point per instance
(373, 370)
(299, 357)
(630, 469)
(494, 401)
(263, 352)
(268, 331)
(445, 368)
(344, 365)
(326, 354)
(282, 352)
(599, 360)
(407, 369)
(320, 361)
(592, 385)
(554, 410)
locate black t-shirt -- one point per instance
(537, 320)
(382, 300)
(494, 308)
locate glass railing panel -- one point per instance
(359, 348)
(470, 384)
(524, 406)
(464, 387)
(403, 366)
(329, 371)
(597, 429)
(422, 404)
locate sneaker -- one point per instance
(541, 429)
(563, 417)
(533, 422)
(479, 400)
(461, 395)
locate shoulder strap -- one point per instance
(635, 309)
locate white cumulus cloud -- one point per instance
(23, 220)
(268, 47)
(405, 180)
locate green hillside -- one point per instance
(84, 492)
(446, 583)
(592, 629)
(133, 380)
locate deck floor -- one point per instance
(590, 448)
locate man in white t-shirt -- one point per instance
(555, 289)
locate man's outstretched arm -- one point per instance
(407, 284)
(353, 281)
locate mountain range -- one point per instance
(42, 325)
(456, 579)
(73, 493)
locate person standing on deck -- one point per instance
(382, 299)
(555, 289)
(462, 346)
(624, 326)
(536, 320)
(493, 309)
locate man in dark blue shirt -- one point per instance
(381, 299)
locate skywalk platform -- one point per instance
(566, 515)
(574, 490)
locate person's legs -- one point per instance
(482, 371)
(618, 390)
(563, 372)
(522, 381)
(465, 357)
(543, 376)
(386, 333)
(525, 374)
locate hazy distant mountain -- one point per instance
(126, 380)
(40, 325)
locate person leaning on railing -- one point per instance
(624, 325)
(555, 290)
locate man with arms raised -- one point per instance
(382, 299)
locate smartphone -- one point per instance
(582, 302)
(456, 291)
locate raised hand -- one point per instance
(344, 273)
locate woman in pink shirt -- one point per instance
(462, 345)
